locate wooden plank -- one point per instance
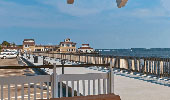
(47, 90)
(9, 92)
(75, 77)
(41, 85)
(107, 86)
(24, 79)
(35, 92)
(83, 82)
(22, 91)
(72, 83)
(66, 88)
(78, 92)
(104, 86)
(28, 91)
(61, 89)
(88, 87)
(99, 89)
(94, 87)
(51, 66)
(16, 92)
(54, 82)
(2, 92)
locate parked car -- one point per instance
(5, 55)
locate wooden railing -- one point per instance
(156, 66)
(90, 97)
(53, 84)
(24, 83)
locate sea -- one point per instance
(137, 52)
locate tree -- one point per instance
(5, 43)
(13, 44)
(0, 47)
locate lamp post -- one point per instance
(63, 62)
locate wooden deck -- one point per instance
(90, 97)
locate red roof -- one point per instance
(46, 46)
(86, 44)
(85, 48)
(11, 47)
(29, 43)
(67, 43)
(28, 39)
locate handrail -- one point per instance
(111, 56)
(51, 66)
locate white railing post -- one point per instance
(111, 78)
(55, 82)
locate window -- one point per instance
(73, 45)
(37, 49)
(26, 46)
(67, 45)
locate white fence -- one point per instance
(25, 87)
(85, 84)
(51, 86)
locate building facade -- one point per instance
(41, 48)
(67, 46)
(28, 45)
(86, 48)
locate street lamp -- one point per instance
(63, 62)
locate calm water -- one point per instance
(137, 52)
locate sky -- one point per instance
(140, 24)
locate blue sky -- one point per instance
(141, 24)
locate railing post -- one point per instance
(111, 77)
(55, 83)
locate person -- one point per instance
(70, 1)
(121, 3)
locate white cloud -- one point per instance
(54, 14)
(17, 15)
(166, 4)
(148, 13)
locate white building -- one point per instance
(85, 48)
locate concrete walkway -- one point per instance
(133, 89)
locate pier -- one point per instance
(82, 77)
(125, 78)
(160, 67)
(53, 85)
